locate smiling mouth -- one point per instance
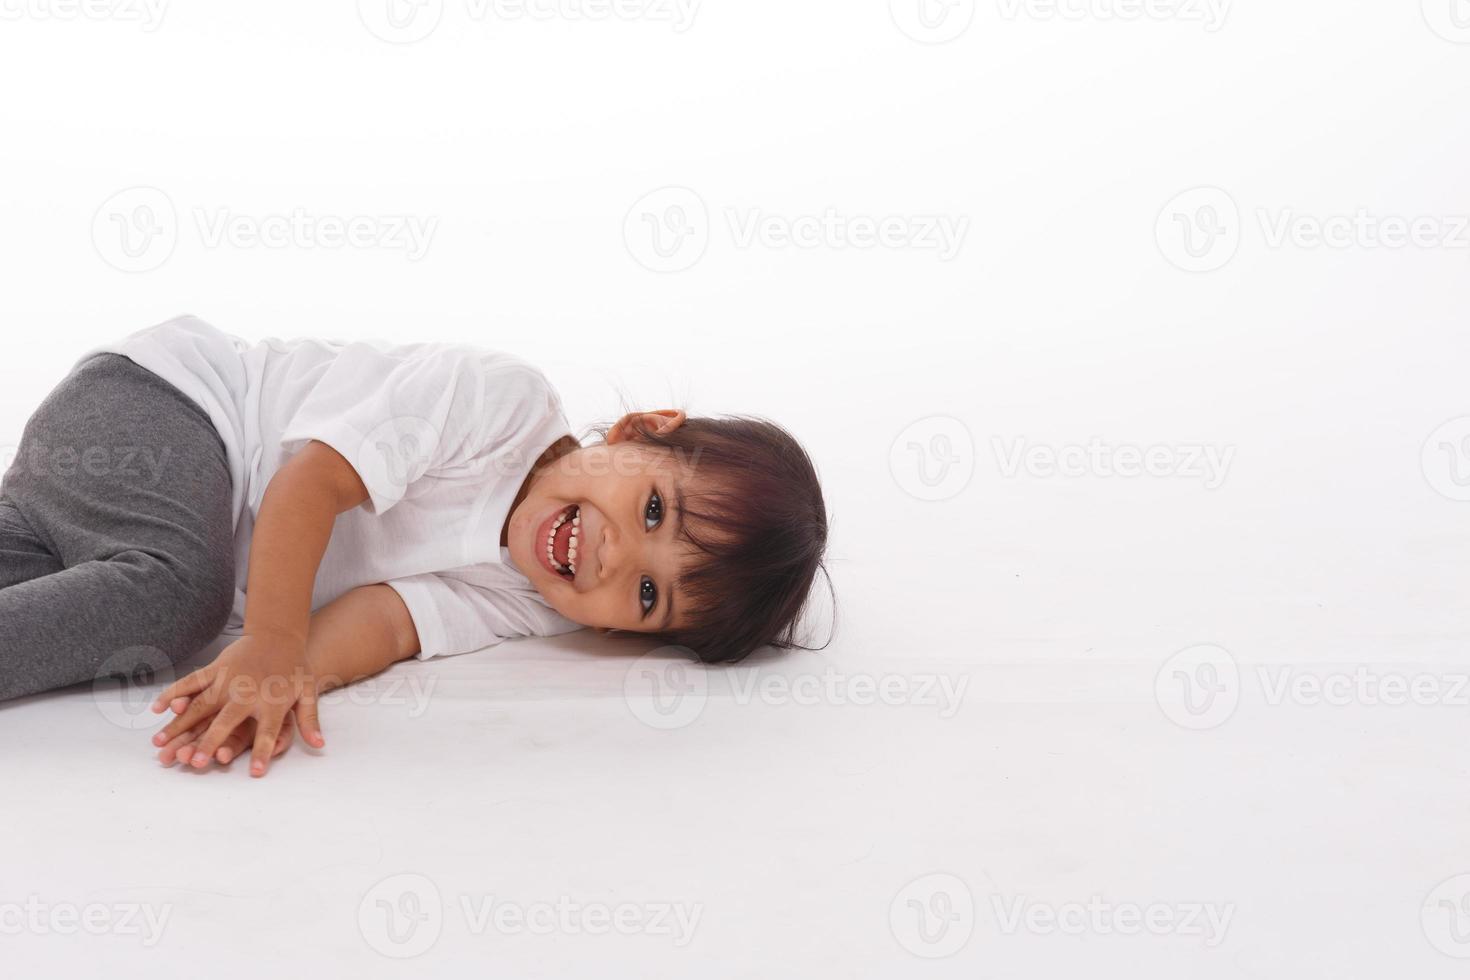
(561, 542)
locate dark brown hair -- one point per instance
(755, 517)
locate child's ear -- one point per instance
(660, 422)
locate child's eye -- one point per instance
(653, 514)
(647, 594)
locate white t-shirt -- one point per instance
(442, 436)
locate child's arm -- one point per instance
(266, 672)
(300, 505)
(359, 634)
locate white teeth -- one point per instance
(571, 564)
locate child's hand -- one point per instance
(182, 747)
(259, 678)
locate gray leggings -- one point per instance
(116, 549)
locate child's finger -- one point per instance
(307, 720)
(236, 743)
(198, 710)
(265, 743)
(243, 736)
(190, 740)
(288, 733)
(230, 716)
(169, 754)
(171, 740)
(191, 684)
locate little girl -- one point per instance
(345, 505)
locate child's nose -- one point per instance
(617, 552)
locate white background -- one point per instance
(1333, 378)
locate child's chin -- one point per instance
(560, 607)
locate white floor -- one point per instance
(780, 818)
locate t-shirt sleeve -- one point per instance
(395, 418)
(454, 614)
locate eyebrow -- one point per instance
(678, 525)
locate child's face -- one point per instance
(622, 495)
